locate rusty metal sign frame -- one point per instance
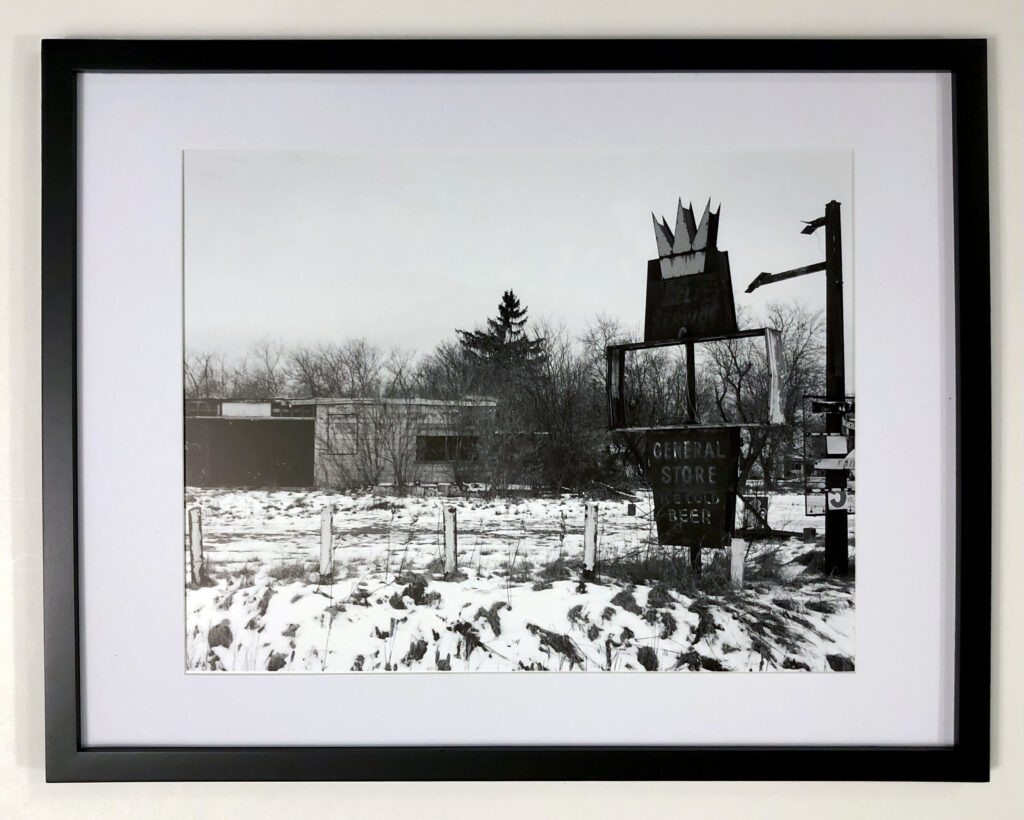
(615, 356)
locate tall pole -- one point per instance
(691, 418)
(691, 385)
(836, 537)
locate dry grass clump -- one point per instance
(291, 571)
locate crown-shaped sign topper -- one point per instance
(689, 287)
(688, 236)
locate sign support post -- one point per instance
(691, 417)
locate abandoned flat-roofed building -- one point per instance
(362, 442)
(332, 443)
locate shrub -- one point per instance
(436, 567)
(518, 571)
(576, 616)
(626, 601)
(294, 571)
(491, 616)
(417, 649)
(562, 644)
(558, 570)
(220, 635)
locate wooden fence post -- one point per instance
(190, 567)
(197, 560)
(739, 552)
(326, 541)
(589, 540)
(451, 542)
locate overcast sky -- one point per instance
(403, 247)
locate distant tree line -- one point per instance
(550, 424)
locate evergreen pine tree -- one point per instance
(505, 341)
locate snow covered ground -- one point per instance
(518, 602)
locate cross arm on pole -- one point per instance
(813, 225)
(768, 278)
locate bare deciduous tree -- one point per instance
(736, 385)
(206, 375)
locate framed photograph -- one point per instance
(380, 377)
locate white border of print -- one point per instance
(133, 130)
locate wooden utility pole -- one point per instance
(836, 523)
(836, 536)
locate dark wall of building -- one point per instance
(263, 452)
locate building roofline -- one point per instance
(415, 402)
(476, 402)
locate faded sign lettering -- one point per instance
(700, 304)
(693, 474)
(689, 287)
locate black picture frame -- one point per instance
(967, 759)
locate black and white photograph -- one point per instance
(500, 411)
(372, 362)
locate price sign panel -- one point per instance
(818, 501)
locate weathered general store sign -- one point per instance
(693, 475)
(692, 466)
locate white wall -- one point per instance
(245, 409)
(22, 791)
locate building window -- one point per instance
(194, 407)
(280, 407)
(445, 448)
